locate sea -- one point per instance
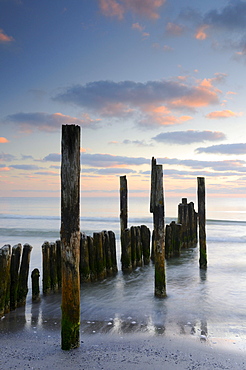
(206, 305)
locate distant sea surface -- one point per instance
(209, 304)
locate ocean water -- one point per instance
(205, 305)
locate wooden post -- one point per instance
(92, 258)
(100, 257)
(157, 207)
(14, 274)
(126, 255)
(53, 267)
(58, 260)
(46, 267)
(145, 240)
(5, 258)
(23, 275)
(70, 236)
(202, 222)
(107, 252)
(139, 248)
(35, 285)
(84, 259)
(112, 243)
(133, 246)
(123, 203)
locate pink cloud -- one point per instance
(147, 8)
(111, 8)
(201, 32)
(161, 116)
(174, 29)
(201, 95)
(222, 114)
(3, 140)
(5, 38)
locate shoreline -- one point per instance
(40, 349)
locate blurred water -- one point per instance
(199, 303)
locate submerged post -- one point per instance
(70, 236)
(123, 203)
(202, 222)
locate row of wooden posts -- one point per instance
(14, 270)
(131, 239)
(97, 260)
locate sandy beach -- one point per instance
(40, 349)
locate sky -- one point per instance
(142, 78)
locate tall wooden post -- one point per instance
(70, 236)
(202, 221)
(123, 203)
(157, 207)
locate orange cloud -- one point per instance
(222, 114)
(174, 29)
(162, 116)
(200, 33)
(4, 169)
(3, 140)
(113, 8)
(138, 27)
(5, 38)
(201, 96)
(110, 8)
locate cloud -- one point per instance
(138, 27)
(110, 171)
(222, 114)
(189, 137)
(231, 17)
(174, 29)
(139, 143)
(3, 140)
(118, 8)
(29, 122)
(5, 38)
(52, 157)
(237, 148)
(201, 32)
(47, 173)
(6, 157)
(148, 102)
(97, 161)
(26, 167)
(108, 160)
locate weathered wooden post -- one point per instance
(35, 285)
(123, 203)
(5, 258)
(23, 275)
(126, 254)
(14, 274)
(133, 246)
(92, 258)
(53, 267)
(145, 240)
(112, 243)
(100, 256)
(46, 267)
(202, 222)
(70, 236)
(58, 260)
(157, 206)
(84, 259)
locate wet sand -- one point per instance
(32, 348)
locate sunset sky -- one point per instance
(142, 78)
